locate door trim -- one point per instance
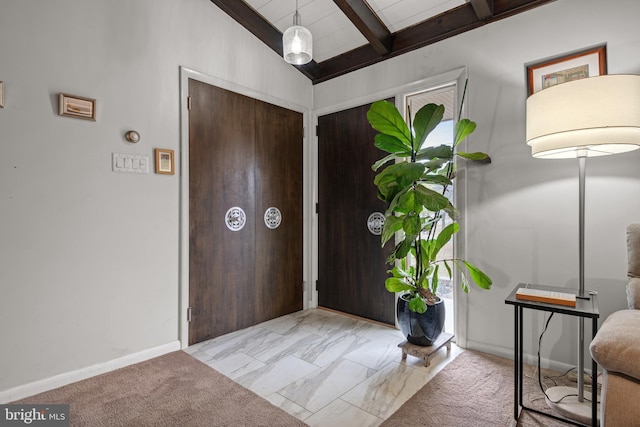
(183, 250)
(459, 75)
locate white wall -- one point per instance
(89, 264)
(522, 212)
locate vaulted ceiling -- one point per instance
(352, 34)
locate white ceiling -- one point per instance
(332, 31)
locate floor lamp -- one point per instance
(584, 118)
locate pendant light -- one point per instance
(297, 42)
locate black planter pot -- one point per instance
(420, 329)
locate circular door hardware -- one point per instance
(132, 136)
(272, 218)
(375, 223)
(235, 219)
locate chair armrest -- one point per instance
(633, 293)
(616, 346)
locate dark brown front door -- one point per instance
(242, 153)
(351, 263)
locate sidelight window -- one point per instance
(442, 134)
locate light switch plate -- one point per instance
(130, 163)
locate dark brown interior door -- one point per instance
(240, 278)
(351, 263)
(278, 273)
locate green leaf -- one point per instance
(464, 283)
(407, 203)
(478, 276)
(434, 279)
(403, 248)
(399, 273)
(425, 248)
(412, 224)
(417, 304)
(439, 152)
(434, 165)
(382, 161)
(423, 281)
(476, 157)
(430, 199)
(452, 211)
(443, 238)
(385, 118)
(392, 224)
(435, 179)
(427, 119)
(387, 186)
(397, 178)
(463, 129)
(392, 145)
(394, 284)
(446, 265)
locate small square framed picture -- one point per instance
(77, 107)
(164, 161)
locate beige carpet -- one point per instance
(475, 390)
(171, 390)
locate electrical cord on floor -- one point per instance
(546, 325)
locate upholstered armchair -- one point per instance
(616, 349)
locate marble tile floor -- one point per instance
(325, 368)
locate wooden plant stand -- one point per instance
(423, 352)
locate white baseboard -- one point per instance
(530, 359)
(60, 380)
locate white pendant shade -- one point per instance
(591, 117)
(297, 43)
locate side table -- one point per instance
(586, 307)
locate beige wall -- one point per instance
(89, 264)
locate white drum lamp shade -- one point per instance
(591, 117)
(297, 43)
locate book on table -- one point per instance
(551, 297)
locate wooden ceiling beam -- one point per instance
(482, 8)
(368, 23)
(448, 24)
(262, 29)
(382, 45)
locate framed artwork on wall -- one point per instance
(585, 63)
(1, 95)
(164, 161)
(77, 107)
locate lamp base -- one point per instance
(569, 407)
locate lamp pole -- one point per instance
(582, 160)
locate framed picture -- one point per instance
(1, 95)
(567, 67)
(77, 106)
(164, 161)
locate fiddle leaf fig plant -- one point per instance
(414, 188)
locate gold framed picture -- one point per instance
(585, 63)
(77, 107)
(1, 95)
(164, 161)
